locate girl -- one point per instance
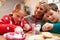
(8, 23)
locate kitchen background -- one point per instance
(6, 6)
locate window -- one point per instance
(55, 1)
(50, 1)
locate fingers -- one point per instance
(44, 28)
(26, 27)
(47, 27)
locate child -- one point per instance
(8, 23)
(54, 20)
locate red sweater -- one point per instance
(7, 24)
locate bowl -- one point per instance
(14, 36)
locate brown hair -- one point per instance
(53, 6)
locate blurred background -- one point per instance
(6, 6)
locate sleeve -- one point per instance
(24, 21)
(56, 28)
(4, 28)
(29, 28)
(5, 25)
(5, 19)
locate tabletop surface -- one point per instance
(28, 34)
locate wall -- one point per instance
(6, 8)
(32, 4)
(57, 2)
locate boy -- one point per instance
(54, 20)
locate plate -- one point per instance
(33, 36)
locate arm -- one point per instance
(26, 27)
(52, 27)
(6, 28)
(56, 28)
(5, 25)
(5, 19)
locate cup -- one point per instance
(33, 26)
(37, 29)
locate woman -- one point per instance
(39, 12)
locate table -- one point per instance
(1, 37)
(28, 34)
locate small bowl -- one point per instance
(14, 36)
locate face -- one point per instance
(18, 16)
(39, 11)
(52, 16)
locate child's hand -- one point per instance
(47, 26)
(26, 27)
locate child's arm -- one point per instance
(26, 27)
(56, 28)
(5, 19)
(6, 28)
(5, 25)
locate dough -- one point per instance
(47, 34)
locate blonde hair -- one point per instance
(45, 5)
(46, 8)
(17, 7)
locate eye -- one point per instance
(51, 14)
(47, 16)
(37, 7)
(21, 17)
(41, 9)
(17, 15)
